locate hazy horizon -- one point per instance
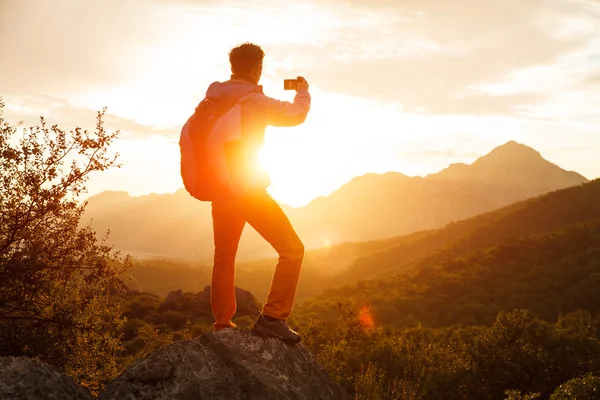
(333, 190)
(397, 86)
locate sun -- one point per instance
(295, 169)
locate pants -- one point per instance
(261, 212)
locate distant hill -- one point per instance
(368, 207)
(157, 225)
(380, 206)
(542, 254)
(320, 269)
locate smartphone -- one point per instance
(290, 84)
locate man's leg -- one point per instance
(269, 220)
(228, 225)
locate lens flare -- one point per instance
(365, 318)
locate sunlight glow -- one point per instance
(153, 78)
(365, 318)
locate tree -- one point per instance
(56, 276)
(522, 353)
(585, 388)
(516, 395)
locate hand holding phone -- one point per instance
(297, 84)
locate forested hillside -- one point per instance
(537, 215)
(502, 306)
(345, 264)
(548, 274)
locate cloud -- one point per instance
(66, 46)
(592, 80)
(435, 83)
(482, 104)
(432, 57)
(67, 116)
(569, 88)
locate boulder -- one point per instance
(23, 378)
(174, 297)
(247, 305)
(230, 364)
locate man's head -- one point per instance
(246, 61)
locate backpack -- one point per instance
(202, 146)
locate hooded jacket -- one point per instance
(258, 112)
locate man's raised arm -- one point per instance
(284, 113)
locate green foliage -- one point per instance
(516, 395)
(56, 277)
(523, 353)
(371, 384)
(548, 274)
(152, 322)
(362, 358)
(517, 353)
(585, 388)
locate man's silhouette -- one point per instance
(249, 202)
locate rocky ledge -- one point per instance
(23, 378)
(231, 365)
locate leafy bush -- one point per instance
(586, 388)
(56, 277)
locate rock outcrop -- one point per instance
(230, 364)
(23, 378)
(177, 300)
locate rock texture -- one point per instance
(23, 378)
(230, 364)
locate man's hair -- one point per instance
(245, 57)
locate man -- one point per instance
(249, 202)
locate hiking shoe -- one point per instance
(218, 328)
(277, 328)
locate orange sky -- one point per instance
(401, 85)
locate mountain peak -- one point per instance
(515, 151)
(511, 165)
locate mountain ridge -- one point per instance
(368, 207)
(540, 254)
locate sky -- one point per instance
(397, 85)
